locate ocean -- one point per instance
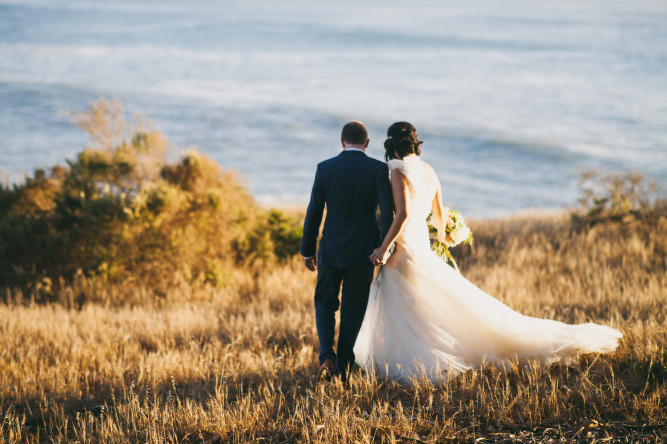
(512, 99)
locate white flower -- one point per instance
(459, 235)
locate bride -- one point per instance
(426, 320)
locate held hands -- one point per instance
(379, 256)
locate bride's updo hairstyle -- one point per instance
(402, 140)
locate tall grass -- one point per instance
(238, 364)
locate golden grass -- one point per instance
(237, 364)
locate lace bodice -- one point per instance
(423, 184)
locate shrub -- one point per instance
(616, 197)
(120, 212)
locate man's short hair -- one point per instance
(354, 133)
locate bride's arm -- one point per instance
(439, 216)
(399, 187)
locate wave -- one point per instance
(40, 5)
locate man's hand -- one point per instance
(310, 262)
(379, 256)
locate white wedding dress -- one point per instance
(424, 319)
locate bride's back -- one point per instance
(422, 186)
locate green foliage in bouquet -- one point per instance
(441, 249)
(121, 212)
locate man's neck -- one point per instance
(354, 148)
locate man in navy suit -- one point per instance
(351, 185)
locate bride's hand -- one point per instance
(379, 256)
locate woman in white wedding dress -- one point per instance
(424, 319)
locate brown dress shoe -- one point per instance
(326, 371)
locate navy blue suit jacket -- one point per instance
(351, 185)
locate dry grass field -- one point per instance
(236, 363)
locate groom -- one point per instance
(350, 185)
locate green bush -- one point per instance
(120, 212)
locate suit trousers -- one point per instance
(356, 283)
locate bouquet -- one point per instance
(457, 232)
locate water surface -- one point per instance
(511, 98)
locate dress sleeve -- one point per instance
(394, 164)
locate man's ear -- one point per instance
(342, 142)
(367, 142)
